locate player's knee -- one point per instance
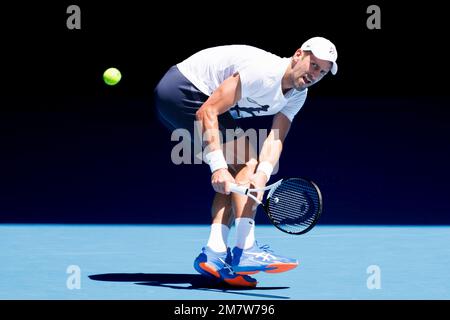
(244, 176)
(251, 164)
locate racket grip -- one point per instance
(238, 189)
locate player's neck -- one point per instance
(285, 81)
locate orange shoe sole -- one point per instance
(278, 268)
(247, 272)
(206, 267)
(236, 282)
(273, 268)
(240, 282)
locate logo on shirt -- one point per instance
(250, 110)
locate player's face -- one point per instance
(308, 69)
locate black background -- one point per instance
(375, 137)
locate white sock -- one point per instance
(218, 237)
(245, 233)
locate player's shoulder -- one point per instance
(300, 94)
(258, 51)
(295, 97)
(243, 49)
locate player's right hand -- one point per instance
(221, 180)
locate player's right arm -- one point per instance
(220, 101)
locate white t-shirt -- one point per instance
(260, 73)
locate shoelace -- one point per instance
(266, 248)
(266, 252)
(227, 266)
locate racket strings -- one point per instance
(294, 205)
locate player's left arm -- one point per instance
(271, 149)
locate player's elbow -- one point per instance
(199, 115)
(206, 112)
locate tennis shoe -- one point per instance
(217, 265)
(256, 259)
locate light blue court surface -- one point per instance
(154, 262)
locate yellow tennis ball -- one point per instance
(112, 76)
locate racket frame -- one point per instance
(247, 192)
(316, 216)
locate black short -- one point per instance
(177, 100)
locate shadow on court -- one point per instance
(176, 281)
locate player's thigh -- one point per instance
(241, 153)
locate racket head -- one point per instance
(294, 206)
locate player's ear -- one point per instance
(297, 55)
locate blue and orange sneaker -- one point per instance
(217, 265)
(256, 259)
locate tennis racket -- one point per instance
(293, 205)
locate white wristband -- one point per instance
(265, 167)
(216, 160)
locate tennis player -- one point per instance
(215, 88)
